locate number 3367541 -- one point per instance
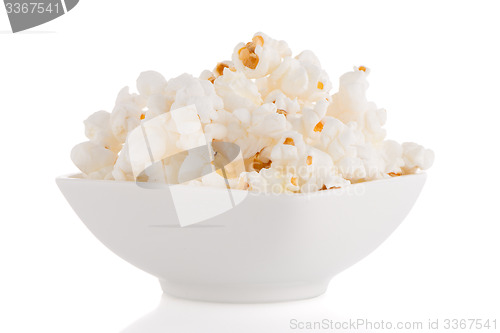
(31, 8)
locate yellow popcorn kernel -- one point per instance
(211, 79)
(320, 85)
(247, 54)
(259, 40)
(318, 127)
(220, 68)
(289, 141)
(362, 68)
(258, 165)
(395, 174)
(309, 160)
(294, 181)
(281, 111)
(249, 59)
(143, 116)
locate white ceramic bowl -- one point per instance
(268, 248)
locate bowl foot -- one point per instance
(263, 293)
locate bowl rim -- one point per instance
(77, 177)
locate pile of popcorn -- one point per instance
(293, 134)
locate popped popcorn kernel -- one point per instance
(248, 57)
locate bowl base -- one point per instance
(264, 293)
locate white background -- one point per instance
(435, 68)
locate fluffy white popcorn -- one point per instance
(207, 75)
(267, 122)
(126, 114)
(166, 170)
(250, 130)
(283, 103)
(91, 158)
(237, 91)
(309, 122)
(392, 153)
(259, 57)
(341, 142)
(317, 171)
(416, 157)
(350, 104)
(98, 130)
(274, 180)
(157, 104)
(303, 168)
(197, 163)
(301, 77)
(291, 135)
(151, 83)
(166, 135)
(373, 161)
(187, 90)
(122, 169)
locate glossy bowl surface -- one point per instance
(267, 248)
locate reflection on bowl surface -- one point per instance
(267, 248)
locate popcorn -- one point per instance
(266, 121)
(392, 153)
(151, 83)
(186, 90)
(219, 69)
(350, 104)
(301, 77)
(91, 158)
(273, 180)
(259, 57)
(416, 157)
(122, 169)
(252, 131)
(283, 102)
(98, 130)
(319, 172)
(126, 114)
(290, 134)
(166, 135)
(310, 121)
(237, 91)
